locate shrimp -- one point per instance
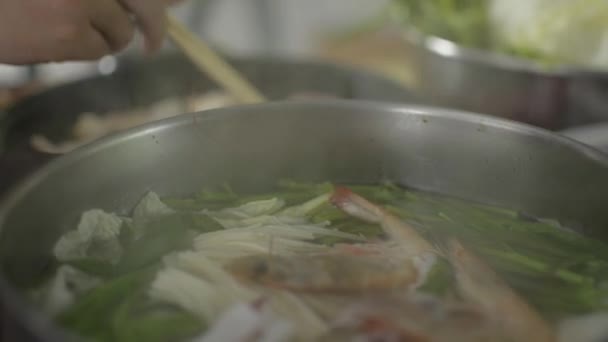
(330, 272)
(401, 263)
(420, 251)
(396, 229)
(479, 284)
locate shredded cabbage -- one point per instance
(280, 240)
(199, 285)
(305, 208)
(251, 209)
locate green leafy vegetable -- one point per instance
(164, 235)
(140, 319)
(93, 266)
(557, 270)
(153, 327)
(439, 281)
(463, 21)
(91, 314)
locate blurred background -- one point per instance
(410, 42)
(540, 62)
(285, 28)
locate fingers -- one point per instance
(39, 31)
(112, 22)
(85, 44)
(151, 19)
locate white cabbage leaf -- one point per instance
(573, 31)
(61, 291)
(148, 209)
(96, 237)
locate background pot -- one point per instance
(448, 74)
(138, 82)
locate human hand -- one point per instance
(36, 31)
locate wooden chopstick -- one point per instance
(211, 64)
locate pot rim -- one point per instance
(41, 326)
(64, 160)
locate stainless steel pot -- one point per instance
(451, 75)
(454, 153)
